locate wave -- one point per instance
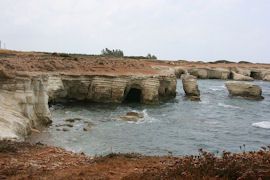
(262, 124)
(146, 119)
(228, 106)
(217, 88)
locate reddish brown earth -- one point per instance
(26, 161)
(16, 62)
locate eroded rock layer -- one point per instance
(245, 90)
(24, 99)
(190, 86)
(234, 73)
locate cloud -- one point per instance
(171, 29)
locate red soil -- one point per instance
(26, 161)
(14, 61)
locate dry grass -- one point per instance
(251, 165)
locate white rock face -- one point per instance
(240, 77)
(114, 89)
(23, 105)
(24, 99)
(246, 90)
(190, 86)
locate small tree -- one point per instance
(113, 53)
(149, 56)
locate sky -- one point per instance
(196, 30)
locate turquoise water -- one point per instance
(179, 125)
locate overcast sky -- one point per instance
(198, 30)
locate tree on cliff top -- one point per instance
(149, 56)
(113, 52)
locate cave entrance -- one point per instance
(254, 75)
(134, 95)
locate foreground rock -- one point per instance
(139, 115)
(246, 90)
(190, 87)
(132, 116)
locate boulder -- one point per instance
(71, 120)
(240, 77)
(132, 116)
(86, 128)
(246, 90)
(129, 118)
(139, 115)
(190, 86)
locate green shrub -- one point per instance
(5, 148)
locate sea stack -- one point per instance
(190, 87)
(245, 90)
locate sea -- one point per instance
(178, 126)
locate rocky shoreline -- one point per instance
(30, 81)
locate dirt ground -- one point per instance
(26, 161)
(15, 62)
(20, 160)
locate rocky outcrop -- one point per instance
(111, 89)
(246, 90)
(239, 77)
(199, 73)
(235, 73)
(260, 74)
(265, 75)
(210, 73)
(218, 73)
(190, 86)
(24, 99)
(179, 71)
(241, 71)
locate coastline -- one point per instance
(31, 80)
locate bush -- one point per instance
(244, 62)
(222, 61)
(5, 148)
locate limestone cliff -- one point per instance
(24, 99)
(108, 89)
(23, 105)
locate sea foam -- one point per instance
(262, 124)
